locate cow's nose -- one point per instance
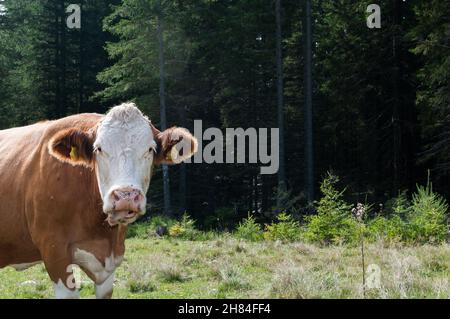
(120, 194)
(127, 199)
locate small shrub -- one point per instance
(140, 278)
(139, 230)
(428, 216)
(161, 220)
(231, 279)
(176, 230)
(288, 282)
(41, 287)
(136, 286)
(170, 273)
(286, 229)
(183, 229)
(145, 229)
(390, 229)
(291, 281)
(398, 206)
(249, 229)
(333, 222)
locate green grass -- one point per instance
(228, 268)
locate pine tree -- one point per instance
(432, 45)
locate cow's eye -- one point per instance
(152, 147)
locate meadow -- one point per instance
(226, 267)
(406, 255)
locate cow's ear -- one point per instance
(174, 145)
(72, 146)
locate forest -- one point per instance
(370, 105)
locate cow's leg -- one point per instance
(58, 263)
(104, 290)
(99, 262)
(62, 292)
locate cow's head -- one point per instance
(122, 150)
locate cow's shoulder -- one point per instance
(22, 147)
(43, 129)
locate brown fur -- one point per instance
(48, 208)
(169, 138)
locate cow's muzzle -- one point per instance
(127, 204)
(121, 217)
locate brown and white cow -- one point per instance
(69, 187)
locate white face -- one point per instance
(124, 150)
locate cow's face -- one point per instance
(124, 149)
(122, 152)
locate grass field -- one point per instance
(228, 268)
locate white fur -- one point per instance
(105, 289)
(62, 292)
(90, 262)
(104, 275)
(127, 143)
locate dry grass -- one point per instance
(335, 272)
(230, 268)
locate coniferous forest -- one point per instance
(370, 105)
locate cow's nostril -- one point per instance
(116, 195)
(127, 200)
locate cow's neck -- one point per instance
(104, 241)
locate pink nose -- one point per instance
(127, 199)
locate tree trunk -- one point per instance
(309, 180)
(80, 71)
(62, 46)
(81, 67)
(182, 186)
(396, 112)
(280, 106)
(162, 104)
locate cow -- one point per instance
(70, 187)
